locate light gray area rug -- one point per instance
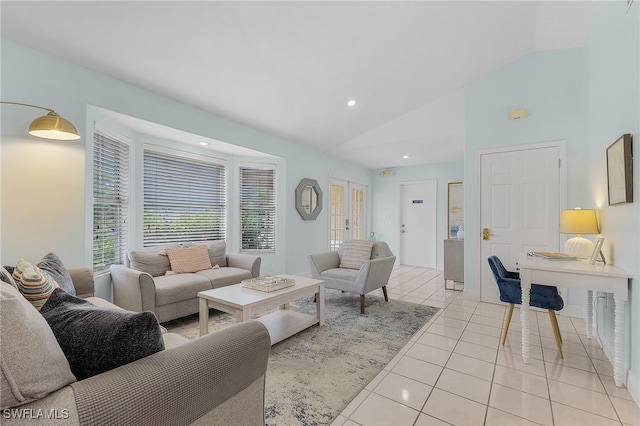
(314, 374)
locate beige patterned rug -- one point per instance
(314, 374)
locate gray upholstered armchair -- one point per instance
(373, 274)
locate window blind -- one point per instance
(110, 201)
(258, 210)
(184, 199)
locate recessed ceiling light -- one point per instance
(203, 143)
(406, 156)
(351, 102)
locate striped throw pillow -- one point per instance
(355, 254)
(188, 259)
(35, 285)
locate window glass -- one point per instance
(258, 209)
(110, 201)
(184, 199)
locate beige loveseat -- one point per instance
(142, 283)
(217, 379)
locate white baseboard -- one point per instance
(633, 386)
(573, 311)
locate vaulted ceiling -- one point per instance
(288, 68)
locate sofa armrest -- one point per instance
(179, 385)
(374, 274)
(245, 261)
(133, 290)
(320, 262)
(83, 281)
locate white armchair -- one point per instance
(373, 274)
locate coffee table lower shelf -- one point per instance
(285, 323)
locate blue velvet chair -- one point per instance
(540, 296)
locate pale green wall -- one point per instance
(43, 182)
(612, 75)
(588, 97)
(549, 85)
(386, 203)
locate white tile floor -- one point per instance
(454, 370)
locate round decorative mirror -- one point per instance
(308, 199)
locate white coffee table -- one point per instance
(245, 302)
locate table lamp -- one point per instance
(578, 221)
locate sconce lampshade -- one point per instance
(579, 221)
(52, 126)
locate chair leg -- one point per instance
(362, 303)
(384, 290)
(555, 322)
(556, 331)
(506, 324)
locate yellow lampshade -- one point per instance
(52, 126)
(579, 221)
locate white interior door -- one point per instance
(347, 212)
(418, 206)
(520, 207)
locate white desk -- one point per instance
(577, 274)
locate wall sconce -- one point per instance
(517, 114)
(50, 126)
(578, 222)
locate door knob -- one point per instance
(486, 233)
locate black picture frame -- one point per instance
(620, 170)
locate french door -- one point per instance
(347, 212)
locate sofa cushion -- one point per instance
(52, 264)
(346, 274)
(35, 284)
(151, 260)
(96, 339)
(6, 277)
(217, 251)
(355, 253)
(188, 259)
(179, 287)
(32, 364)
(225, 276)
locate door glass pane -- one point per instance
(357, 214)
(337, 217)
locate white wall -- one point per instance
(612, 82)
(386, 202)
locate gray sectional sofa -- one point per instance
(217, 379)
(142, 283)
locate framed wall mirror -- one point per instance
(308, 199)
(455, 215)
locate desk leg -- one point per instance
(618, 343)
(589, 319)
(204, 316)
(525, 286)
